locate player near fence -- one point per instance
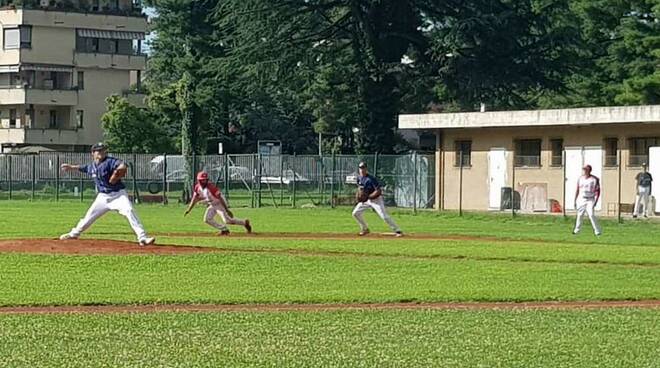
(217, 205)
(587, 195)
(644, 182)
(107, 173)
(370, 196)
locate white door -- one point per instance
(576, 159)
(654, 170)
(497, 176)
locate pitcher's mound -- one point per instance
(91, 247)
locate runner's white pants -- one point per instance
(586, 205)
(104, 202)
(212, 211)
(642, 201)
(378, 205)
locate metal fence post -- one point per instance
(293, 201)
(34, 176)
(415, 182)
(57, 177)
(227, 176)
(376, 164)
(460, 184)
(564, 182)
(259, 172)
(282, 180)
(618, 202)
(332, 181)
(82, 188)
(136, 194)
(513, 187)
(9, 176)
(164, 178)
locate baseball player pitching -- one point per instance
(586, 197)
(107, 173)
(370, 196)
(217, 205)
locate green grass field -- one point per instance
(499, 259)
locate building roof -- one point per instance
(531, 118)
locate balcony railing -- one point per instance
(70, 7)
(527, 161)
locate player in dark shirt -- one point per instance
(644, 183)
(111, 194)
(371, 198)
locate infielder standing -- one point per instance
(644, 181)
(370, 196)
(111, 193)
(217, 205)
(586, 197)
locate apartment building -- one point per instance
(483, 157)
(58, 62)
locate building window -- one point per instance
(463, 153)
(81, 80)
(26, 37)
(12, 118)
(52, 121)
(611, 152)
(528, 153)
(80, 118)
(557, 149)
(12, 38)
(638, 149)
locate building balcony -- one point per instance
(49, 97)
(110, 61)
(38, 136)
(104, 18)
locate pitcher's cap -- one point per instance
(99, 147)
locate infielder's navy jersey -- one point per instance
(368, 184)
(101, 173)
(644, 179)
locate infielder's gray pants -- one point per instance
(209, 218)
(378, 205)
(642, 201)
(586, 205)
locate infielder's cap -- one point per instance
(99, 147)
(362, 165)
(202, 175)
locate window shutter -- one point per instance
(12, 38)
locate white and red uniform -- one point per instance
(588, 193)
(211, 195)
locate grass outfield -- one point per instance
(522, 259)
(617, 338)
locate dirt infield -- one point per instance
(100, 309)
(92, 247)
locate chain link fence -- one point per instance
(250, 180)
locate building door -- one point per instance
(497, 176)
(654, 170)
(576, 159)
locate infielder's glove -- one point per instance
(361, 196)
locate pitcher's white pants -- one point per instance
(378, 205)
(586, 205)
(209, 218)
(104, 202)
(642, 201)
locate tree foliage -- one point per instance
(129, 129)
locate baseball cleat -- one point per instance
(364, 232)
(224, 233)
(147, 241)
(248, 227)
(398, 234)
(68, 237)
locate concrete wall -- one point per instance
(476, 177)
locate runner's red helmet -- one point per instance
(202, 176)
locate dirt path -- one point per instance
(98, 309)
(92, 247)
